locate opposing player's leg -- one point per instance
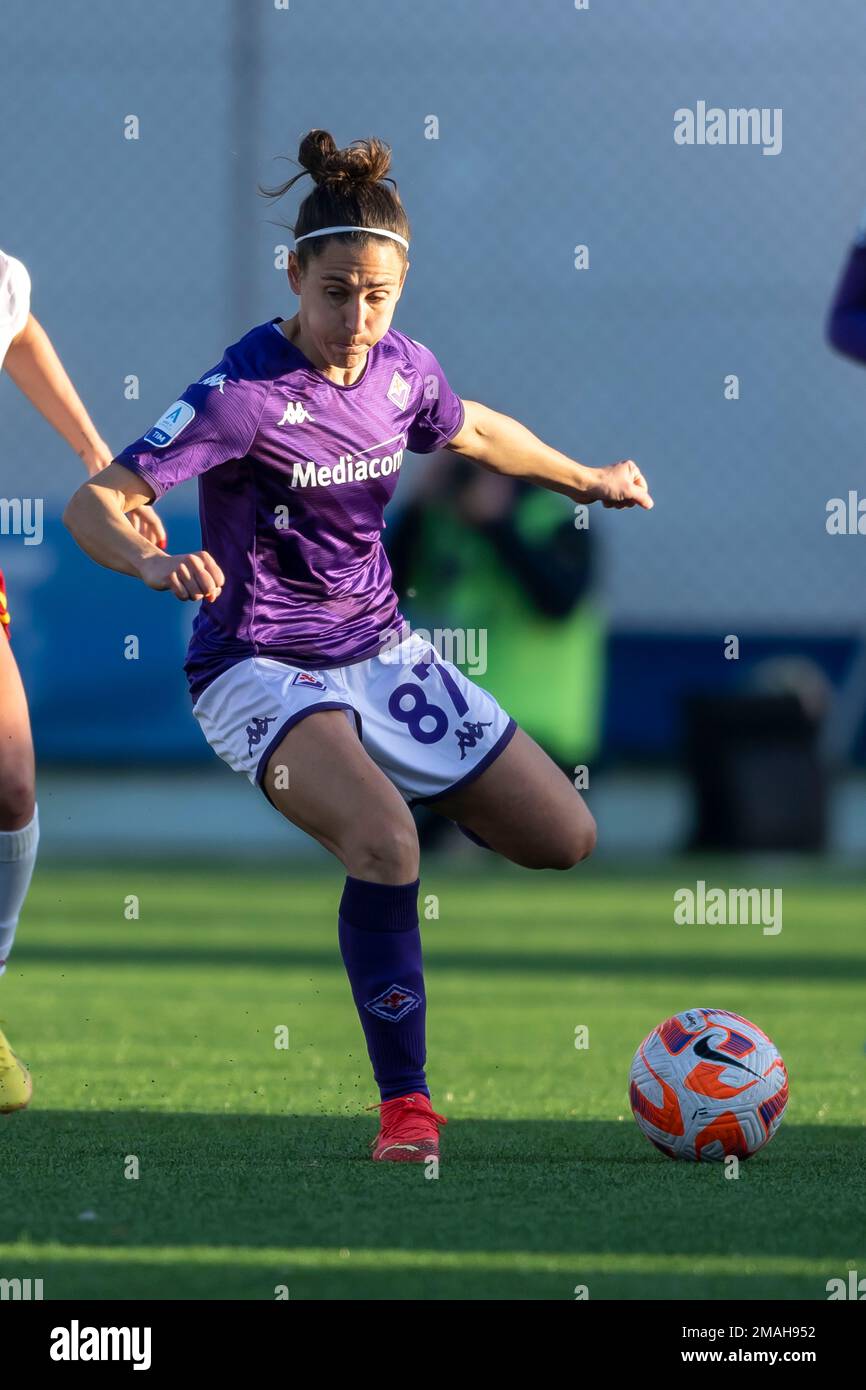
(19, 836)
(17, 767)
(321, 779)
(525, 808)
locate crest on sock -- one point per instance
(394, 1003)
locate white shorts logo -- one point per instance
(169, 425)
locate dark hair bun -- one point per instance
(364, 161)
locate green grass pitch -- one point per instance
(153, 1039)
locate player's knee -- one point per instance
(17, 800)
(391, 855)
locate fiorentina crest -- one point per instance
(307, 678)
(394, 1003)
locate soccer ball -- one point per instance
(708, 1083)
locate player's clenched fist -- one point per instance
(622, 485)
(193, 576)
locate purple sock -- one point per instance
(380, 942)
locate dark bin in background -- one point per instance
(757, 777)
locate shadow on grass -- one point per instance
(176, 1279)
(66, 1162)
(774, 965)
(228, 1206)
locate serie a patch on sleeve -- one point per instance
(169, 425)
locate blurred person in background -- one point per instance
(510, 568)
(31, 361)
(846, 320)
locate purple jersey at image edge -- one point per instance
(294, 473)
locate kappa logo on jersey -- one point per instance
(217, 379)
(394, 1003)
(306, 678)
(398, 391)
(295, 413)
(169, 425)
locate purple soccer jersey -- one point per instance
(294, 473)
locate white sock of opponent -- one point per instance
(17, 858)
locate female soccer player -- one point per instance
(34, 366)
(300, 670)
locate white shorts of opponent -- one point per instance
(427, 726)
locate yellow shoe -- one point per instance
(16, 1087)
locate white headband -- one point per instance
(380, 231)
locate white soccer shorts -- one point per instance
(427, 726)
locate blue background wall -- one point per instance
(555, 128)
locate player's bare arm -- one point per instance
(33, 364)
(97, 517)
(505, 446)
